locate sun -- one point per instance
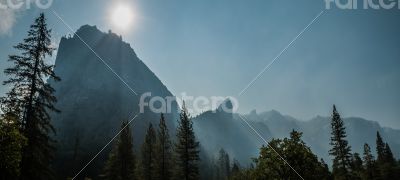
(122, 17)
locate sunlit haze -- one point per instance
(122, 17)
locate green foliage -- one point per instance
(370, 168)
(186, 149)
(31, 99)
(11, 145)
(386, 162)
(270, 164)
(163, 162)
(357, 168)
(380, 148)
(146, 166)
(388, 155)
(121, 162)
(325, 173)
(341, 151)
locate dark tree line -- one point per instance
(121, 161)
(302, 162)
(159, 158)
(345, 166)
(352, 166)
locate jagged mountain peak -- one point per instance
(93, 30)
(93, 98)
(91, 36)
(88, 28)
(226, 106)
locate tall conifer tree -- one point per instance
(121, 162)
(163, 154)
(223, 165)
(146, 167)
(385, 161)
(369, 164)
(380, 148)
(388, 166)
(33, 99)
(186, 149)
(357, 167)
(388, 155)
(341, 151)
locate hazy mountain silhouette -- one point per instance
(220, 129)
(94, 101)
(217, 130)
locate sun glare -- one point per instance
(122, 17)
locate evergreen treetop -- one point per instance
(146, 166)
(186, 149)
(341, 151)
(163, 159)
(121, 161)
(380, 147)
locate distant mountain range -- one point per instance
(229, 131)
(94, 102)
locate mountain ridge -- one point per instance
(273, 124)
(94, 101)
(316, 132)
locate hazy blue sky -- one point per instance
(216, 47)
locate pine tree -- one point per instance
(121, 161)
(388, 166)
(163, 154)
(380, 148)
(223, 165)
(388, 155)
(186, 149)
(34, 99)
(370, 170)
(386, 162)
(357, 168)
(325, 173)
(340, 148)
(146, 168)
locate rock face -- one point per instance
(94, 101)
